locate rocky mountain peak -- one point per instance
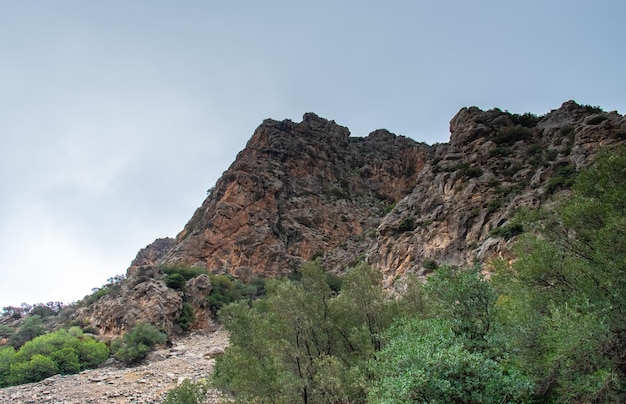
(308, 190)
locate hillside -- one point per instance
(308, 190)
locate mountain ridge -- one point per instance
(308, 190)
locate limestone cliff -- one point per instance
(300, 191)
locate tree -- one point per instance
(465, 298)
(30, 328)
(7, 358)
(562, 299)
(303, 342)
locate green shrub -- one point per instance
(187, 272)
(43, 311)
(187, 317)
(30, 328)
(407, 224)
(493, 205)
(227, 289)
(508, 231)
(430, 264)
(136, 344)
(527, 119)
(187, 392)
(472, 172)
(37, 368)
(6, 331)
(424, 361)
(500, 151)
(563, 178)
(7, 358)
(512, 135)
(62, 351)
(467, 170)
(176, 281)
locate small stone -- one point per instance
(214, 352)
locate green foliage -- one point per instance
(188, 392)
(561, 302)
(425, 361)
(42, 311)
(6, 331)
(512, 135)
(472, 171)
(7, 358)
(507, 231)
(37, 368)
(136, 344)
(227, 289)
(187, 317)
(62, 351)
(176, 281)
(465, 299)
(527, 119)
(187, 272)
(407, 224)
(302, 342)
(493, 205)
(30, 328)
(563, 178)
(430, 264)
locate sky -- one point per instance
(116, 117)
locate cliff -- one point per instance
(302, 191)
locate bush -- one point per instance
(512, 135)
(7, 358)
(424, 361)
(493, 205)
(176, 281)
(185, 271)
(62, 351)
(406, 224)
(37, 368)
(563, 178)
(227, 289)
(472, 172)
(430, 264)
(136, 344)
(187, 317)
(508, 231)
(30, 329)
(187, 392)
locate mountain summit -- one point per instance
(308, 190)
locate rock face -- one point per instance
(300, 191)
(494, 163)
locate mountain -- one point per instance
(308, 190)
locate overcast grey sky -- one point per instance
(117, 116)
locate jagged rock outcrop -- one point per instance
(495, 163)
(300, 191)
(151, 254)
(143, 296)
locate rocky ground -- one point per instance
(191, 357)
